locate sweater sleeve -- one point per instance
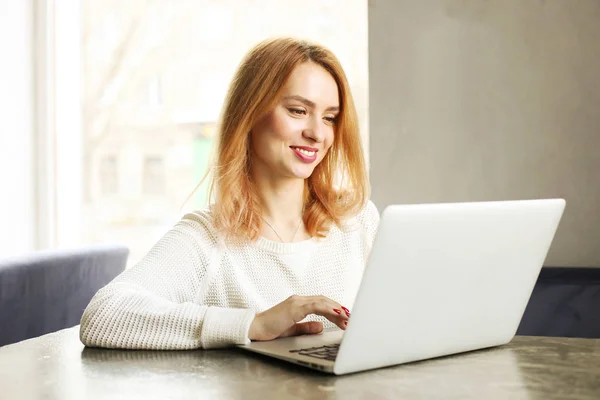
(153, 304)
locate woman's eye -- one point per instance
(297, 111)
(331, 120)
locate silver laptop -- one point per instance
(441, 279)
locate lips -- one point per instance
(305, 154)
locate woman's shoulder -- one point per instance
(367, 218)
(369, 214)
(200, 223)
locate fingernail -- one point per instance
(337, 311)
(348, 314)
(345, 309)
(345, 322)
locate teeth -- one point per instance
(306, 152)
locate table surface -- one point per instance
(57, 366)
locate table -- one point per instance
(57, 366)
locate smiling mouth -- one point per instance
(305, 155)
(308, 153)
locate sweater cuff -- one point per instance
(224, 327)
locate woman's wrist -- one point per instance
(253, 332)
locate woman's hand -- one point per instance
(283, 319)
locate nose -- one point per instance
(314, 131)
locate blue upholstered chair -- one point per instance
(46, 291)
(565, 303)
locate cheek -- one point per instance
(269, 134)
(282, 126)
(263, 131)
(329, 140)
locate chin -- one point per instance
(302, 171)
(303, 174)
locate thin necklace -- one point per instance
(280, 238)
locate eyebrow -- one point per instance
(308, 103)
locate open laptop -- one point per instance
(441, 279)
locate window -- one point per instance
(109, 181)
(154, 92)
(154, 175)
(153, 77)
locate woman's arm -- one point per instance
(152, 305)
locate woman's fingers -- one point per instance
(284, 318)
(327, 308)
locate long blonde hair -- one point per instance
(253, 93)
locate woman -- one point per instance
(282, 249)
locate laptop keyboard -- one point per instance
(327, 352)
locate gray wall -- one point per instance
(489, 100)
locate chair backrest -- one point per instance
(565, 302)
(46, 291)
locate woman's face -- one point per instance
(291, 140)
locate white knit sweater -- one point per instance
(192, 291)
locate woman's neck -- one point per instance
(282, 201)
